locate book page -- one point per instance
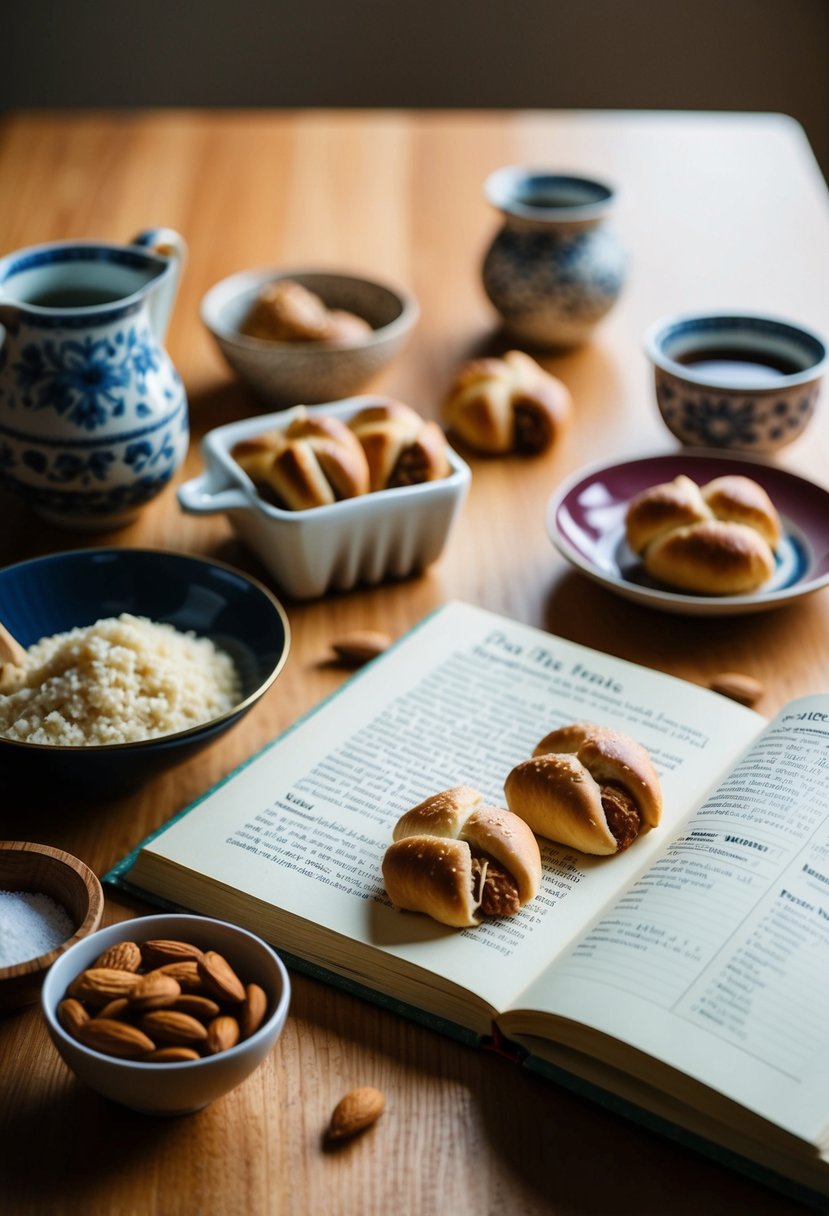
(460, 700)
(717, 960)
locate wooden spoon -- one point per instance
(11, 652)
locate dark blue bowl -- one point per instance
(62, 591)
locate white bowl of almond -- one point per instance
(164, 1014)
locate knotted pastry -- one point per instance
(401, 448)
(718, 539)
(458, 860)
(506, 405)
(588, 787)
(315, 461)
(285, 311)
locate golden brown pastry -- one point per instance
(401, 448)
(588, 787)
(506, 405)
(458, 860)
(315, 461)
(718, 539)
(285, 311)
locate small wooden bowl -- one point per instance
(66, 880)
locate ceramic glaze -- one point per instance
(758, 399)
(93, 415)
(555, 268)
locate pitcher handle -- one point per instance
(169, 245)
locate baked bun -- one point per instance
(506, 405)
(315, 461)
(717, 539)
(401, 448)
(458, 860)
(588, 787)
(285, 311)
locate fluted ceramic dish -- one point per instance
(359, 541)
(586, 522)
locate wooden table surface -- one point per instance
(716, 211)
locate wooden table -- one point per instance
(716, 211)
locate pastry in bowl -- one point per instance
(402, 449)
(589, 787)
(715, 539)
(315, 461)
(286, 311)
(499, 406)
(460, 861)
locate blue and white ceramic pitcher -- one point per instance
(93, 415)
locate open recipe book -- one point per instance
(688, 977)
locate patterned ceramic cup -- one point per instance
(93, 415)
(741, 381)
(555, 267)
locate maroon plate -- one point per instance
(586, 522)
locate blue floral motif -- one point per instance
(717, 423)
(85, 380)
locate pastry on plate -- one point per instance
(589, 787)
(715, 539)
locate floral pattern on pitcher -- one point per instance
(86, 380)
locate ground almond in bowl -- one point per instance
(121, 680)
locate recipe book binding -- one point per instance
(681, 979)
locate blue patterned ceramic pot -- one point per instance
(555, 267)
(93, 415)
(741, 381)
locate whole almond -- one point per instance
(172, 1055)
(356, 1111)
(738, 687)
(160, 951)
(186, 973)
(155, 990)
(222, 1033)
(219, 978)
(252, 1013)
(200, 1007)
(71, 1015)
(115, 1038)
(168, 1026)
(99, 985)
(114, 1009)
(361, 646)
(123, 956)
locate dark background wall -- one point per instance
(629, 54)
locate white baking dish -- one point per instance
(359, 541)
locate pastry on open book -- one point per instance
(589, 787)
(460, 861)
(715, 539)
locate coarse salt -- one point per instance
(31, 924)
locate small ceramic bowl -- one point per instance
(365, 540)
(173, 1088)
(290, 373)
(740, 381)
(53, 594)
(38, 869)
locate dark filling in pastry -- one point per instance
(622, 815)
(411, 469)
(493, 887)
(533, 431)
